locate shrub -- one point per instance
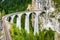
(18, 34)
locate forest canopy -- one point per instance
(14, 5)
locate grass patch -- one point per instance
(18, 34)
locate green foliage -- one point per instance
(18, 34)
(15, 19)
(49, 35)
(2, 12)
(59, 20)
(0, 33)
(57, 4)
(30, 23)
(52, 16)
(23, 21)
(10, 6)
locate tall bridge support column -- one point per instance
(18, 24)
(27, 22)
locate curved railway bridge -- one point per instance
(46, 22)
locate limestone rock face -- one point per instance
(41, 4)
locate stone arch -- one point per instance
(15, 19)
(31, 21)
(9, 18)
(23, 20)
(42, 16)
(40, 19)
